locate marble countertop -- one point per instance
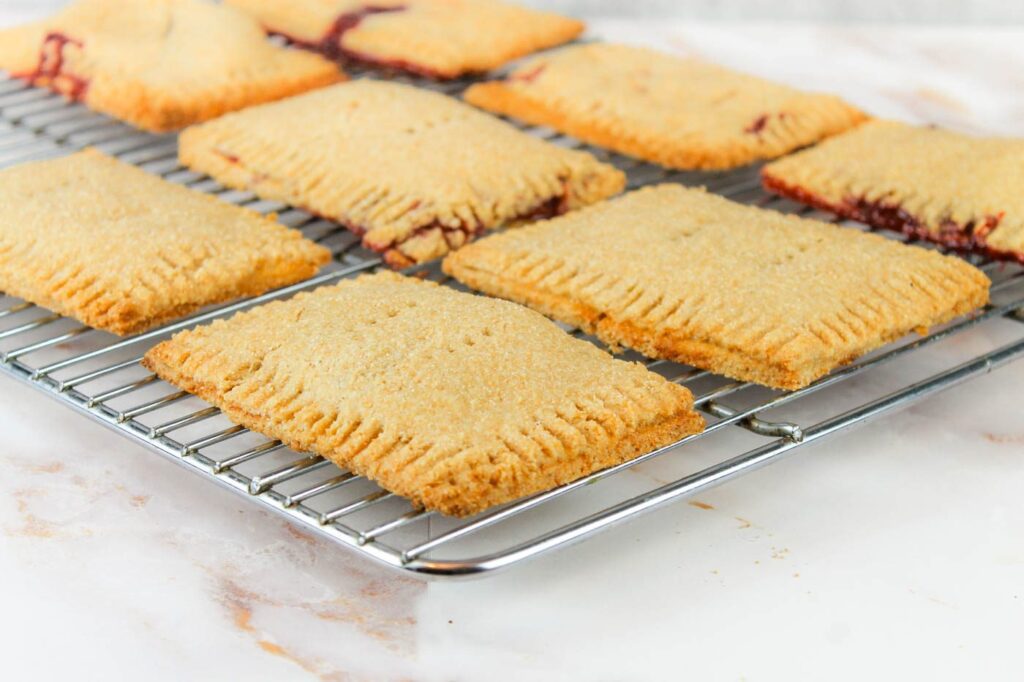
(895, 550)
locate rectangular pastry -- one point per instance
(752, 294)
(957, 190)
(434, 38)
(457, 402)
(414, 172)
(680, 113)
(122, 250)
(159, 64)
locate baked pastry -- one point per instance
(414, 172)
(457, 402)
(434, 38)
(752, 294)
(680, 113)
(121, 250)
(957, 190)
(159, 64)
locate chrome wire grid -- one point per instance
(749, 426)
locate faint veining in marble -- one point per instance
(296, 597)
(1005, 438)
(31, 526)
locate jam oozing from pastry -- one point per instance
(227, 156)
(555, 206)
(886, 215)
(757, 125)
(454, 236)
(457, 236)
(51, 69)
(331, 43)
(890, 216)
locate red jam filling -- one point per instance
(50, 71)
(330, 44)
(548, 208)
(757, 125)
(227, 156)
(555, 206)
(890, 216)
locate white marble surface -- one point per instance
(895, 551)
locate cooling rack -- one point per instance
(99, 376)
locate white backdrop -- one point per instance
(908, 11)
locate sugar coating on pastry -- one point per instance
(958, 190)
(457, 402)
(680, 113)
(752, 294)
(434, 38)
(159, 64)
(122, 250)
(414, 172)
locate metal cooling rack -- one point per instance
(749, 426)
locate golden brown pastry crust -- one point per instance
(159, 64)
(680, 113)
(121, 250)
(457, 402)
(957, 190)
(434, 38)
(414, 172)
(752, 294)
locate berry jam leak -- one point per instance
(50, 71)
